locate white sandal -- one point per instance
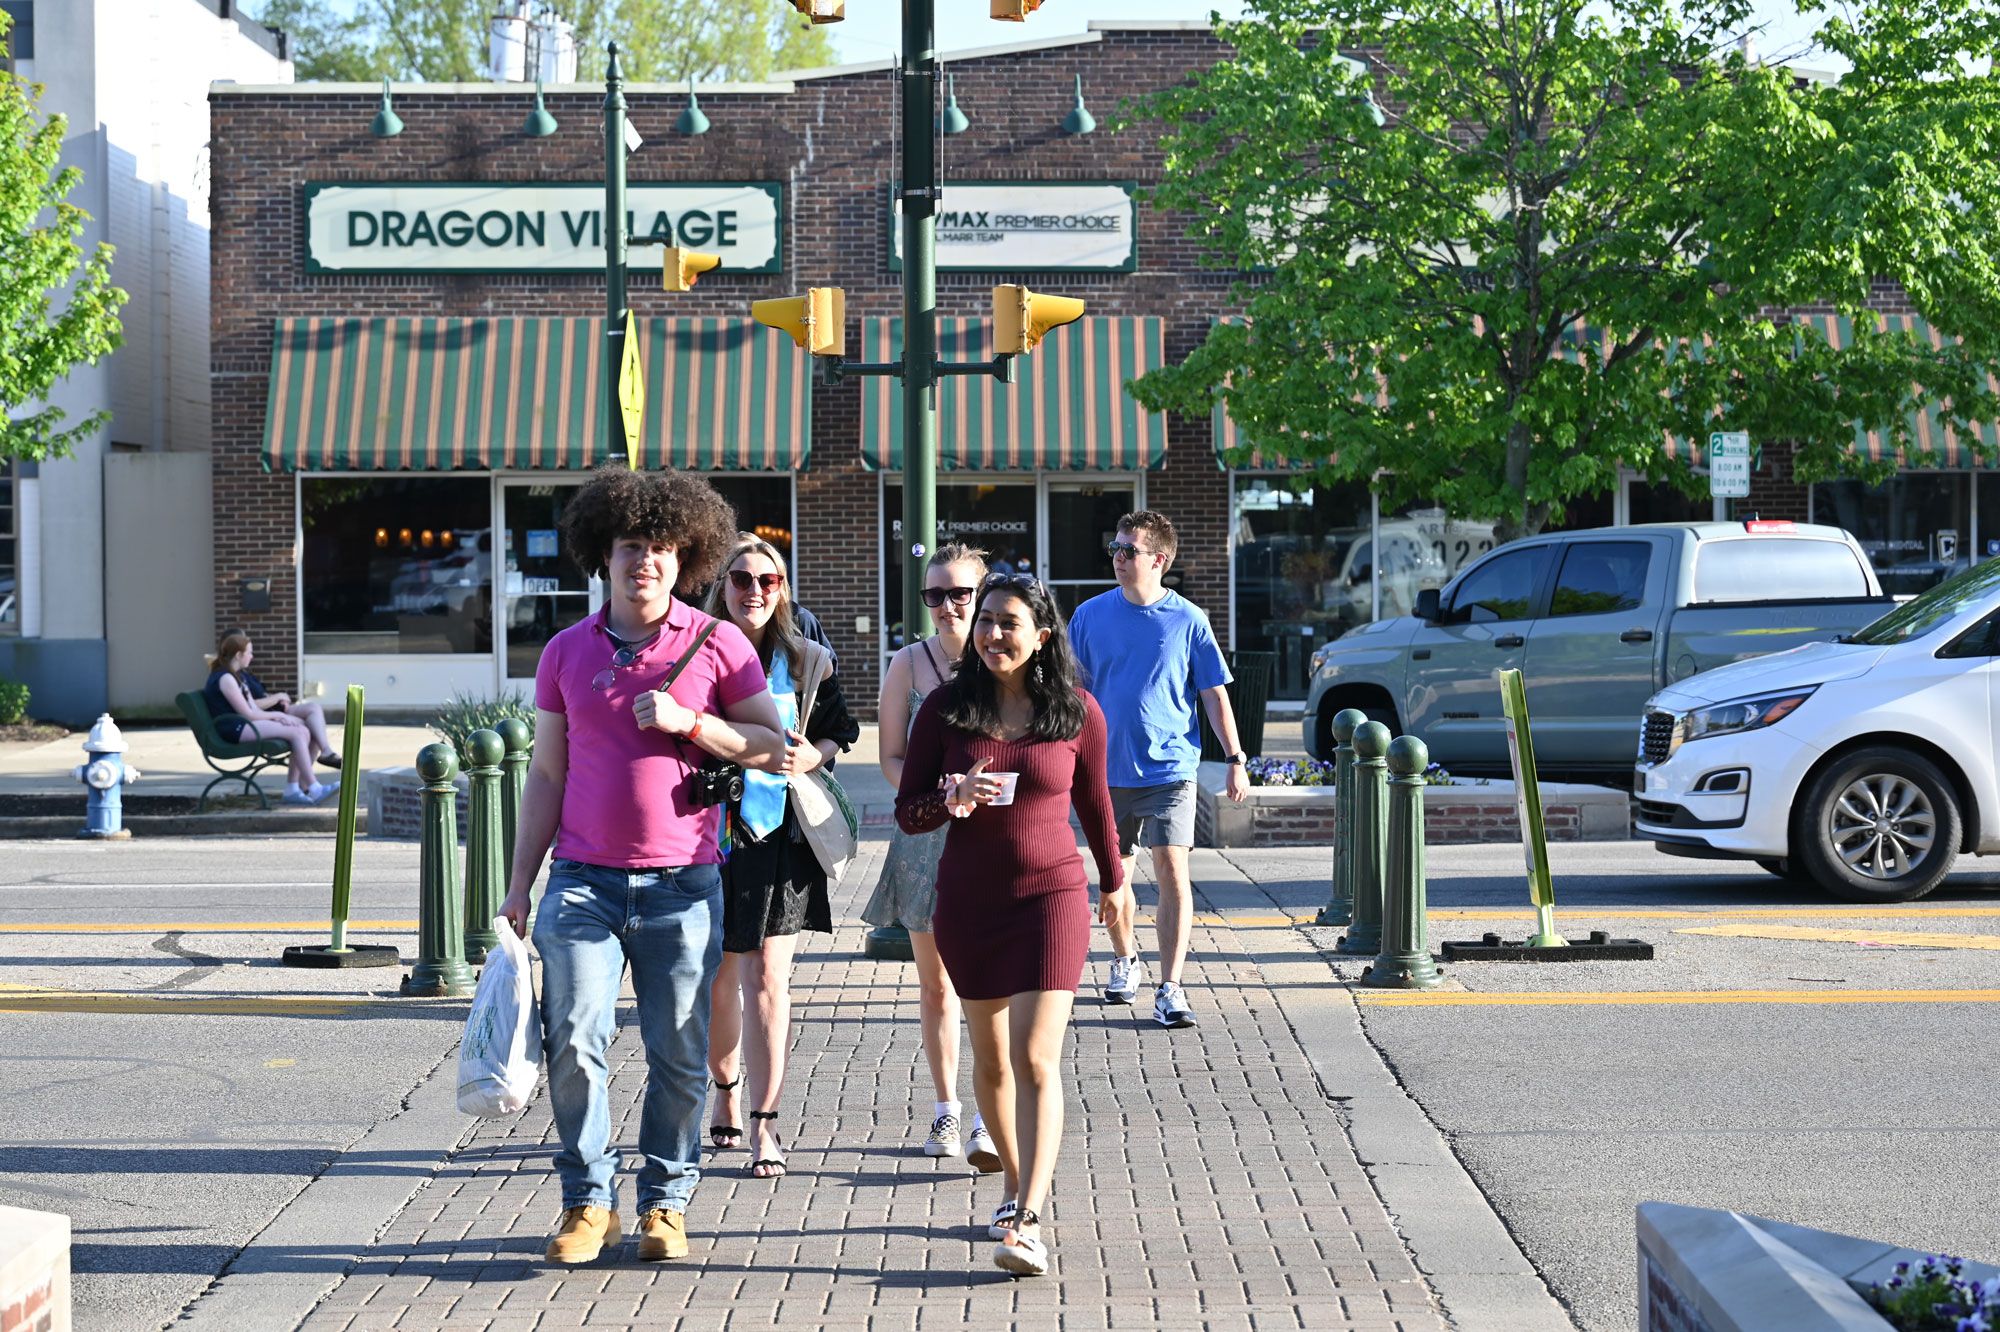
(1026, 1256)
(1003, 1220)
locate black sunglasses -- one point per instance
(934, 596)
(1027, 582)
(744, 580)
(1126, 550)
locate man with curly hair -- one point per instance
(629, 704)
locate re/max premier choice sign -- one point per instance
(508, 228)
(1040, 226)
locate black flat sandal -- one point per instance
(777, 1167)
(725, 1135)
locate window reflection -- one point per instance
(996, 516)
(1915, 528)
(372, 584)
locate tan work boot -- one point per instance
(583, 1234)
(662, 1234)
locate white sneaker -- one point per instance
(321, 791)
(944, 1137)
(1127, 975)
(1170, 1007)
(294, 796)
(980, 1152)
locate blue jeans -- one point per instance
(667, 925)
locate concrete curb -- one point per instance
(229, 823)
(308, 1248)
(1482, 1279)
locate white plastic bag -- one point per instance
(500, 1058)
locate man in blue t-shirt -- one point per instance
(1147, 655)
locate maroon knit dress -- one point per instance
(1013, 902)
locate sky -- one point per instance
(874, 27)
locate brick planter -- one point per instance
(394, 799)
(1303, 815)
(34, 1271)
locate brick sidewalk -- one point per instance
(1204, 1182)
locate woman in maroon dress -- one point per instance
(1001, 752)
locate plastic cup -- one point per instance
(1007, 781)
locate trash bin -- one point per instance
(1249, 691)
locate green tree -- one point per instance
(446, 40)
(58, 308)
(1498, 250)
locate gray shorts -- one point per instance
(1153, 815)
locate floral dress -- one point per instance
(907, 891)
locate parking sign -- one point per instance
(1729, 464)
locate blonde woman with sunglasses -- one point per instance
(907, 893)
(773, 886)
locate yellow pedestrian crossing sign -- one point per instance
(631, 390)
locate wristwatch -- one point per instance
(1234, 760)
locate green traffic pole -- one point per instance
(919, 308)
(614, 251)
(440, 970)
(1339, 909)
(485, 872)
(343, 846)
(520, 740)
(1371, 743)
(1405, 960)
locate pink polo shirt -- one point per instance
(625, 799)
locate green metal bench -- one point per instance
(249, 757)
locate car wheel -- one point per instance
(1882, 825)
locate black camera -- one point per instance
(717, 784)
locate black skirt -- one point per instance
(772, 888)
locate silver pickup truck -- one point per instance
(1596, 621)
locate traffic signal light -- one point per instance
(1013, 11)
(1021, 318)
(817, 320)
(684, 266)
(824, 11)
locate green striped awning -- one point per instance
(1069, 410)
(1927, 428)
(478, 394)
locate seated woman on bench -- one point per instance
(246, 712)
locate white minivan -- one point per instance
(1866, 764)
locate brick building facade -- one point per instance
(829, 138)
(437, 614)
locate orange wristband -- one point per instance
(694, 732)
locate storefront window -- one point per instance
(998, 517)
(1313, 564)
(10, 554)
(1083, 522)
(397, 564)
(1915, 528)
(763, 505)
(1663, 502)
(541, 586)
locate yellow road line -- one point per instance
(1901, 938)
(40, 999)
(1404, 999)
(210, 927)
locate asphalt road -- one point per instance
(170, 1137)
(1870, 1118)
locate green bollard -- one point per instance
(485, 870)
(1339, 909)
(339, 954)
(1364, 936)
(889, 943)
(519, 738)
(440, 971)
(1405, 960)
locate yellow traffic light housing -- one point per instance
(817, 320)
(1013, 11)
(822, 11)
(682, 267)
(1021, 318)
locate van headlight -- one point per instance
(1742, 714)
